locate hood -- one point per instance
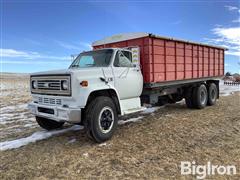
(76, 71)
(54, 72)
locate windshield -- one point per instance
(99, 58)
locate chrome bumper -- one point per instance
(71, 115)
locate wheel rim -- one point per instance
(106, 120)
(203, 97)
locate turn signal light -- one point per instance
(84, 83)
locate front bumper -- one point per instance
(71, 115)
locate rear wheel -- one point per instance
(212, 94)
(200, 96)
(48, 124)
(101, 119)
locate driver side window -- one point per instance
(123, 59)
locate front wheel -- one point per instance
(101, 119)
(48, 124)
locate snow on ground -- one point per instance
(13, 107)
(150, 110)
(86, 155)
(72, 141)
(226, 90)
(13, 114)
(182, 102)
(12, 85)
(37, 136)
(102, 144)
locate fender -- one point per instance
(85, 92)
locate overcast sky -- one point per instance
(41, 35)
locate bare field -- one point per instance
(146, 146)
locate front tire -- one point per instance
(48, 124)
(101, 119)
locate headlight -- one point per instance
(34, 84)
(64, 85)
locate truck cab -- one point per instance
(98, 86)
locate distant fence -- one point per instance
(231, 83)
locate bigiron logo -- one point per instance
(201, 171)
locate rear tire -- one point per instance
(48, 124)
(212, 94)
(101, 119)
(200, 96)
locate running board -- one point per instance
(130, 105)
(130, 111)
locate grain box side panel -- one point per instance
(195, 61)
(170, 60)
(157, 59)
(188, 61)
(146, 60)
(222, 62)
(180, 60)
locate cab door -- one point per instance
(128, 79)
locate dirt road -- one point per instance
(150, 148)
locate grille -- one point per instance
(51, 101)
(51, 85)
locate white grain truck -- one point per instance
(122, 73)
